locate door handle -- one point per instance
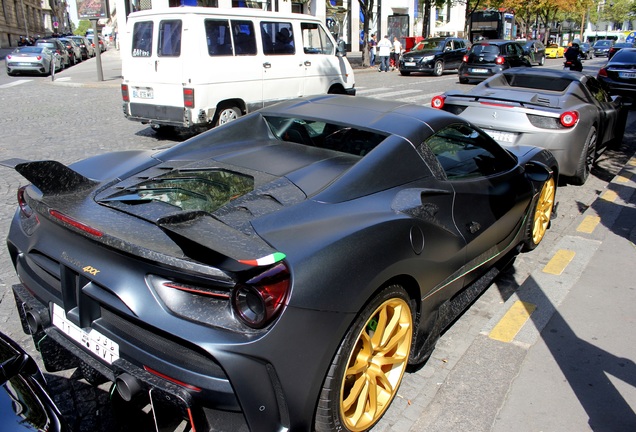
(267, 65)
(307, 63)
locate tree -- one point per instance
(366, 9)
(82, 27)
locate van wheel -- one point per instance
(227, 114)
(164, 131)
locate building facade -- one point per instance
(30, 19)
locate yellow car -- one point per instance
(554, 51)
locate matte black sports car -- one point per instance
(280, 271)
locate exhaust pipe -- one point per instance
(127, 386)
(36, 319)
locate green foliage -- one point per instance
(82, 27)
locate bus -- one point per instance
(491, 24)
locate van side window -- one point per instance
(169, 38)
(244, 38)
(142, 39)
(218, 37)
(315, 39)
(278, 38)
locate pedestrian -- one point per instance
(372, 44)
(397, 50)
(384, 51)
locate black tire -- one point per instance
(226, 114)
(463, 80)
(438, 68)
(354, 364)
(542, 61)
(539, 219)
(587, 159)
(405, 73)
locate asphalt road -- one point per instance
(471, 383)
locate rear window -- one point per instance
(624, 56)
(539, 82)
(485, 49)
(341, 138)
(142, 39)
(169, 38)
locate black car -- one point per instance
(25, 402)
(535, 50)
(487, 58)
(434, 55)
(601, 47)
(56, 46)
(586, 50)
(278, 272)
(617, 47)
(73, 49)
(618, 75)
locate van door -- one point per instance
(322, 67)
(283, 69)
(155, 68)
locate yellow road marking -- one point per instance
(624, 178)
(632, 162)
(609, 195)
(588, 224)
(559, 262)
(508, 327)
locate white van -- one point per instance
(199, 66)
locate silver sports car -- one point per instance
(565, 112)
(35, 59)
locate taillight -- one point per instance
(76, 224)
(499, 60)
(569, 118)
(39, 58)
(259, 300)
(465, 59)
(9, 57)
(26, 210)
(602, 72)
(188, 98)
(438, 102)
(124, 93)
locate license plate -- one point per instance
(627, 74)
(479, 70)
(92, 341)
(409, 63)
(507, 137)
(25, 64)
(143, 93)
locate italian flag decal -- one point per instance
(266, 260)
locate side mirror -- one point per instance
(341, 48)
(537, 171)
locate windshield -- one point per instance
(430, 44)
(29, 49)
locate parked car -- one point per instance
(565, 112)
(73, 49)
(487, 58)
(32, 59)
(434, 55)
(586, 50)
(267, 267)
(25, 400)
(554, 51)
(535, 50)
(618, 75)
(617, 47)
(56, 46)
(86, 47)
(601, 47)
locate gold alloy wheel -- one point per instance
(543, 211)
(376, 365)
